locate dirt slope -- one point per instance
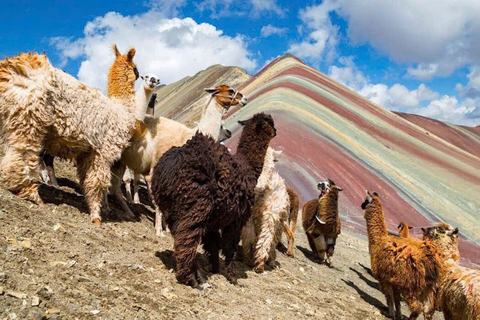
(122, 271)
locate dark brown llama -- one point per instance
(203, 189)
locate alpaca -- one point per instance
(321, 222)
(404, 230)
(263, 231)
(122, 68)
(163, 133)
(43, 108)
(403, 268)
(203, 189)
(458, 289)
(292, 221)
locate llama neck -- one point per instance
(142, 97)
(118, 88)
(211, 120)
(376, 227)
(328, 204)
(253, 149)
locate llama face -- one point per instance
(368, 200)
(150, 81)
(227, 96)
(323, 187)
(402, 226)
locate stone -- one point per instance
(95, 311)
(167, 294)
(1, 291)
(12, 316)
(268, 301)
(35, 301)
(3, 277)
(16, 294)
(58, 228)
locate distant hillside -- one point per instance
(423, 169)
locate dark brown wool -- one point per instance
(202, 189)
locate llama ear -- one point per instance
(339, 189)
(115, 50)
(331, 182)
(375, 194)
(212, 90)
(142, 77)
(131, 54)
(423, 230)
(454, 231)
(244, 122)
(410, 227)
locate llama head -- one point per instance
(323, 187)
(403, 226)
(445, 238)
(263, 124)
(224, 133)
(371, 198)
(227, 96)
(151, 82)
(124, 66)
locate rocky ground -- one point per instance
(55, 264)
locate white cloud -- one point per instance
(171, 48)
(437, 36)
(321, 38)
(348, 75)
(269, 30)
(449, 109)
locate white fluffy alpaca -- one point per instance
(270, 212)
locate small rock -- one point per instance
(295, 282)
(26, 243)
(12, 316)
(157, 281)
(35, 301)
(58, 228)
(37, 316)
(16, 294)
(1, 291)
(71, 263)
(52, 311)
(95, 311)
(1, 213)
(57, 263)
(167, 294)
(206, 285)
(3, 277)
(310, 312)
(115, 288)
(302, 269)
(268, 301)
(171, 270)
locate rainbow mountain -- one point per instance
(424, 170)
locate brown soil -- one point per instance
(120, 270)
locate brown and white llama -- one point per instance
(403, 267)
(263, 231)
(44, 108)
(321, 221)
(458, 289)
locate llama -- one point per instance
(163, 133)
(263, 231)
(292, 221)
(43, 108)
(404, 230)
(203, 189)
(121, 68)
(403, 268)
(458, 290)
(321, 222)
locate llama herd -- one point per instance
(202, 193)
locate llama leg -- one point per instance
(18, 167)
(127, 179)
(211, 241)
(48, 161)
(312, 245)
(95, 177)
(249, 239)
(118, 171)
(158, 222)
(291, 239)
(291, 245)
(185, 245)
(266, 236)
(230, 239)
(136, 182)
(398, 307)
(390, 302)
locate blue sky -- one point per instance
(418, 56)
